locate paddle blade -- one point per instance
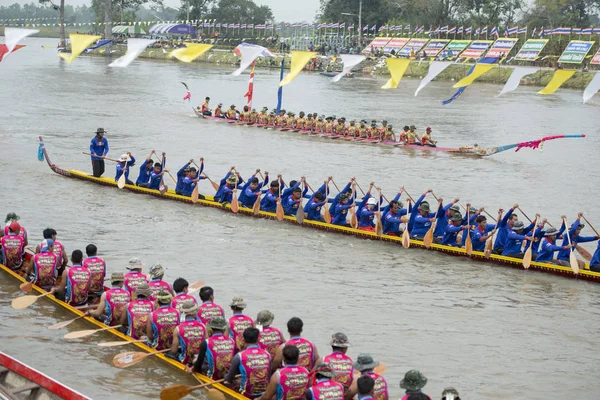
(214, 394)
(468, 244)
(121, 182)
(195, 194)
(28, 286)
(175, 392)
(574, 263)
(489, 245)
(235, 206)
(327, 215)
(584, 253)
(353, 219)
(80, 334)
(23, 302)
(300, 215)
(196, 286)
(256, 207)
(279, 210)
(428, 239)
(129, 358)
(405, 239)
(163, 188)
(379, 225)
(121, 343)
(63, 324)
(527, 258)
(215, 186)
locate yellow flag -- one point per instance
(78, 44)
(397, 67)
(191, 52)
(560, 77)
(299, 60)
(479, 70)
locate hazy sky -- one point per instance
(284, 10)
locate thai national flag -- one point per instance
(596, 31)
(562, 31)
(576, 31)
(236, 26)
(336, 25)
(494, 32)
(399, 28)
(468, 30)
(343, 25)
(407, 28)
(374, 28)
(586, 31)
(218, 25)
(444, 28)
(383, 27)
(541, 33)
(515, 30)
(277, 27)
(522, 31)
(478, 31)
(452, 30)
(484, 30)
(243, 26)
(365, 28)
(460, 30)
(231, 25)
(351, 26)
(250, 26)
(421, 29)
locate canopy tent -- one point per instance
(177, 29)
(129, 30)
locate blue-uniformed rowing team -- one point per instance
(449, 224)
(198, 334)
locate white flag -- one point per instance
(435, 68)
(134, 49)
(14, 35)
(350, 61)
(515, 79)
(592, 88)
(249, 53)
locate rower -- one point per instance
(219, 111)
(252, 189)
(138, 312)
(319, 126)
(309, 122)
(412, 136)
(134, 277)
(367, 216)
(340, 127)
(549, 247)
(422, 220)
(181, 174)
(97, 268)
(366, 387)
(345, 202)
(373, 131)
(216, 352)
(253, 364)
(481, 233)
(365, 365)
(232, 113)
(190, 182)
(313, 207)
(156, 176)
(253, 116)
(442, 219)
(393, 218)
(263, 116)
(10, 218)
(362, 130)
(339, 360)
(271, 118)
(426, 139)
(59, 250)
(329, 124)
(209, 309)
(286, 193)
(515, 239)
(205, 109)
(13, 246)
(413, 382)
(145, 171)
(113, 302)
(383, 128)
(244, 114)
(300, 122)
(180, 287)
(189, 335)
(352, 129)
(156, 283)
(280, 119)
(389, 134)
(270, 337)
(308, 351)
(452, 230)
(226, 186)
(290, 120)
(162, 322)
(324, 387)
(44, 265)
(74, 283)
(294, 202)
(574, 231)
(289, 381)
(595, 262)
(98, 150)
(269, 202)
(238, 322)
(347, 190)
(504, 227)
(126, 161)
(403, 137)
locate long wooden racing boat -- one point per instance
(20, 381)
(208, 201)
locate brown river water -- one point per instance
(492, 332)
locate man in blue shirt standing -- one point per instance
(98, 150)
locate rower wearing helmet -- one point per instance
(219, 111)
(426, 139)
(126, 161)
(367, 216)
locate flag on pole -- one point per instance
(250, 91)
(534, 31)
(494, 32)
(280, 90)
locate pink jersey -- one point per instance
(307, 352)
(255, 366)
(138, 312)
(380, 391)
(12, 250)
(327, 390)
(209, 310)
(293, 382)
(178, 301)
(97, 268)
(133, 280)
(191, 334)
(342, 365)
(156, 286)
(270, 339)
(164, 322)
(219, 354)
(22, 232)
(237, 325)
(116, 305)
(44, 267)
(78, 285)
(58, 251)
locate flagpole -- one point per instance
(280, 90)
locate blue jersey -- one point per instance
(269, 201)
(291, 205)
(314, 210)
(98, 147)
(144, 176)
(596, 256)
(477, 237)
(503, 230)
(548, 250)
(442, 221)
(120, 168)
(514, 243)
(180, 177)
(155, 179)
(340, 214)
(565, 254)
(421, 224)
(391, 221)
(451, 235)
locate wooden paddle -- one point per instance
(572, 259)
(176, 392)
(489, 243)
(196, 286)
(122, 180)
(588, 222)
(326, 213)
(129, 358)
(468, 242)
(584, 253)
(162, 188)
(213, 183)
(379, 370)
(256, 205)
(122, 343)
(353, 218)
(279, 209)
(428, 239)
(529, 251)
(235, 206)
(64, 324)
(195, 193)
(26, 286)
(172, 177)
(23, 302)
(406, 234)
(104, 158)
(379, 224)
(88, 332)
(300, 211)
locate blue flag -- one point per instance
(41, 151)
(280, 91)
(487, 60)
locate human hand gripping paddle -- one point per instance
(353, 218)
(195, 194)
(129, 358)
(529, 251)
(428, 239)
(406, 233)
(572, 259)
(489, 243)
(87, 332)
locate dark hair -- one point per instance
(77, 256)
(275, 184)
(253, 180)
(319, 196)
(157, 164)
(91, 250)
(297, 190)
(179, 285)
(513, 216)
(480, 219)
(290, 354)
(394, 203)
(295, 325)
(251, 335)
(192, 169)
(208, 98)
(292, 183)
(48, 233)
(365, 384)
(206, 292)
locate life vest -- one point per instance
(12, 250)
(352, 130)
(342, 365)
(164, 322)
(243, 116)
(412, 137)
(205, 107)
(133, 280)
(328, 127)
(279, 120)
(209, 310)
(255, 366)
(362, 132)
(218, 112)
(177, 302)
(270, 339)
(231, 114)
(425, 139)
(403, 136)
(44, 269)
(97, 268)
(156, 286)
(339, 129)
(138, 312)
(306, 358)
(380, 390)
(219, 354)
(319, 126)
(78, 285)
(293, 382)
(58, 251)
(191, 334)
(22, 232)
(237, 325)
(289, 122)
(327, 390)
(115, 305)
(300, 122)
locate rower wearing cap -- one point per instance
(426, 139)
(482, 232)
(270, 337)
(253, 116)
(263, 116)
(232, 113)
(134, 277)
(574, 233)
(253, 364)
(514, 242)
(74, 284)
(319, 126)
(443, 216)
(308, 351)
(180, 287)
(452, 230)
(126, 161)
(339, 360)
(252, 189)
(412, 136)
(422, 220)
(269, 202)
(138, 312)
(245, 114)
(219, 111)
(383, 128)
(44, 265)
(389, 133)
(162, 322)
(13, 246)
(504, 227)
(113, 303)
(181, 174)
(280, 119)
(97, 267)
(340, 127)
(290, 120)
(413, 382)
(209, 309)
(98, 150)
(300, 121)
(189, 335)
(365, 365)
(191, 180)
(324, 387)
(156, 283)
(549, 247)
(216, 352)
(226, 186)
(289, 382)
(238, 322)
